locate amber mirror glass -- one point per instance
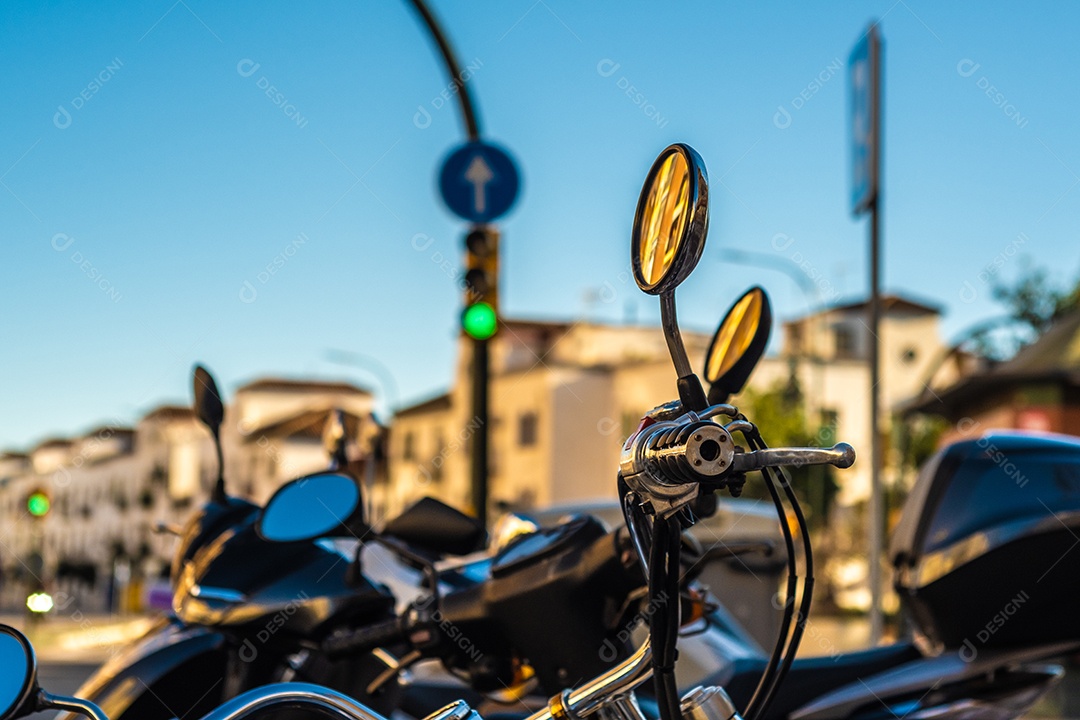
(739, 342)
(671, 219)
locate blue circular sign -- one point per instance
(479, 182)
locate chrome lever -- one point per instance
(841, 455)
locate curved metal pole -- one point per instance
(468, 112)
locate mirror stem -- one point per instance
(690, 392)
(219, 496)
(70, 704)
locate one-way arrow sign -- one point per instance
(479, 174)
(479, 182)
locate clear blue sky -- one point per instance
(170, 178)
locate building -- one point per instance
(564, 397)
(110, 487)
(1038, 389)
(828, 353)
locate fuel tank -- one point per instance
(260, 588)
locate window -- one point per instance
(795, 338)
(408, 452)
(909, 355)
(844, 337)
(527, 429)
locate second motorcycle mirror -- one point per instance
(738, 344)
(311, 507)
(208, 405)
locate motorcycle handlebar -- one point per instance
(364, 639)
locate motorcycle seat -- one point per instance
(812, 677)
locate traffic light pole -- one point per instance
(480, 407)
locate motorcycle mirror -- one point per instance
(670, 226)
(208, 405)
(671, 220)
(738, 345)
(18, 681)
(211, 412)
(311, 507)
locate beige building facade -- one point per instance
(564, 397)
(109, 488)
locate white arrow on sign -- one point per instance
(479, 174)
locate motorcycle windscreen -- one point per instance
(984, 554)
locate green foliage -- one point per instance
(780, 413)
(916, 439)
(1034, 300)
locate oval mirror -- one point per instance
(671, 221)
(311, 507)
(18, 679)
(208, 405)
(738, 345)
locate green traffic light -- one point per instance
(38, 504)
(479, 321)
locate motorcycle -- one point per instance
(505, 605)
(247, 612)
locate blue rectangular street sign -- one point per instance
(864, 66)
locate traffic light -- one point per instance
(38, 503)
(480, 318)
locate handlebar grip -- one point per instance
(841, 455)
(365, 638)
(689, 453)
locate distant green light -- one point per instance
(38, 504)
(479, 321)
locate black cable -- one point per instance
(807, 596)
(756, 442)
(753, 708)
(664, 623)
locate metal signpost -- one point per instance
(479, 183)
(864, 73)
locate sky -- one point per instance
(251, 185)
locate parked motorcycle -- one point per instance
(935, 543)
(247, 612)
(490, 619)
(678, 452)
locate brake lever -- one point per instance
(840, 455)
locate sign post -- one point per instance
(864, 73)
(479, 182)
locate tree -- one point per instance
(1034, 300)
(780, 412)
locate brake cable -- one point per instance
(757, 442)
(664, 574)
(762, 691)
